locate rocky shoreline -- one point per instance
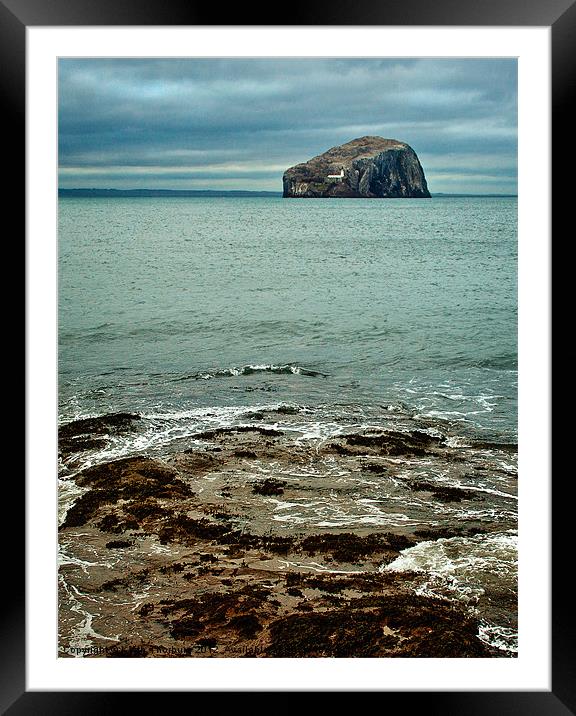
(189, 554)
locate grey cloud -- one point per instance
(197, 113)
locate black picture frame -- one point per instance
(15, 17)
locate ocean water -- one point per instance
(170, 305)
(345, 314)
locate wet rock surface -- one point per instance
(237, 547)
(90, 433)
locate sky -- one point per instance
(240, 123)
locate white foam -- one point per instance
(68, 493)
(234, 371)
(502, 638)
(463, 568)
(331, 511)
(316, 567)
(488, 490)
(159, 430)
(83, 635)
(465, 557)
(64, 558)
(456, 442)
(156, 548)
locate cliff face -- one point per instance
(368, 167)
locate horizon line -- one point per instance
(242, 191)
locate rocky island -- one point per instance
(367, 167)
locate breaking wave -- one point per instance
(233, 372)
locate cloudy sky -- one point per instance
(239, 123)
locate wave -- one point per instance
(463, 557)
(467, 570)
(285, 369)
(149, 330)
(166, 429)
(505, 361)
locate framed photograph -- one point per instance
(288, 354)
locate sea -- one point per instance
(345, 314)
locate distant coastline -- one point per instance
(113, 193)
(439, 195)
(175, 193)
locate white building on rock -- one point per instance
(337, 177)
